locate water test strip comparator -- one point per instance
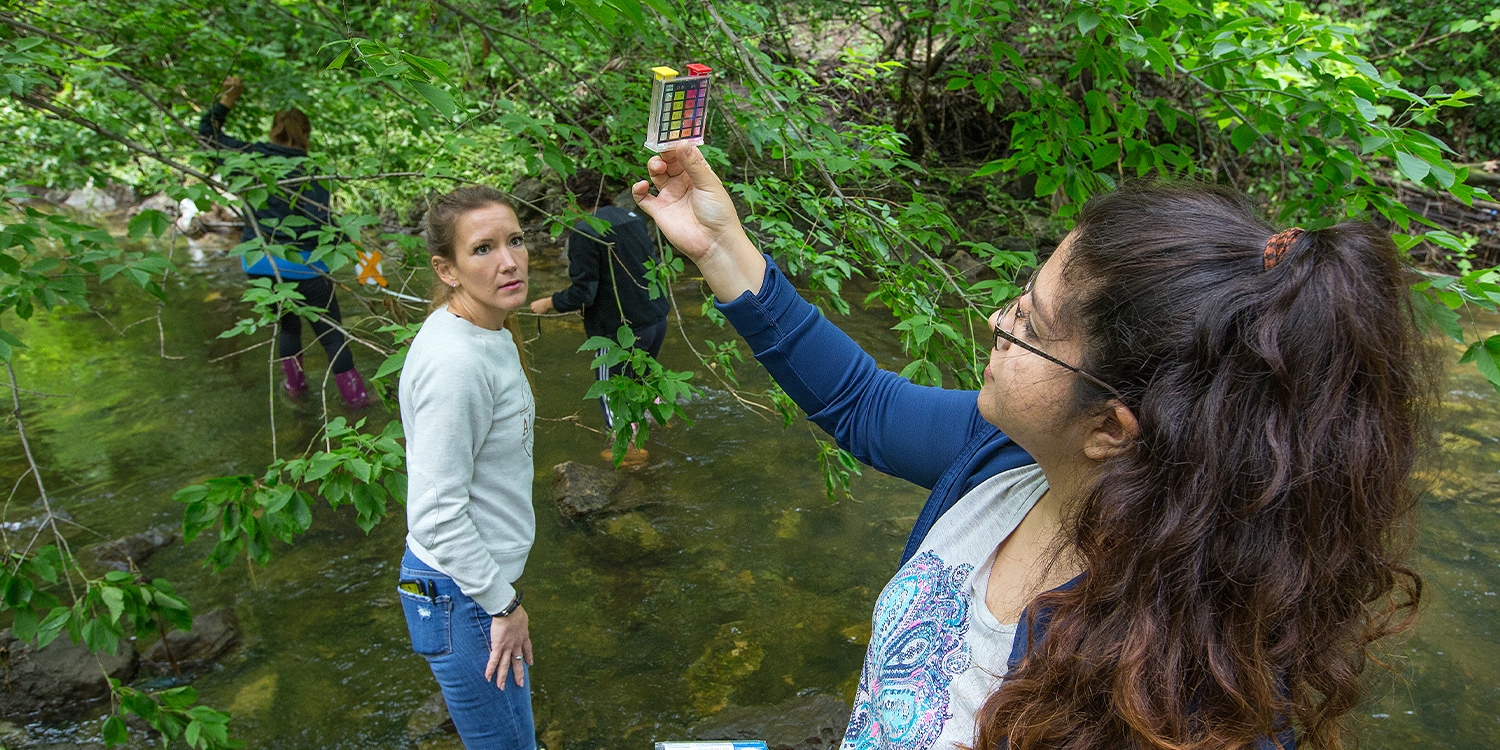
(679, 108)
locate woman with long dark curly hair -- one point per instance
(1177, 513)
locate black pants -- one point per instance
(648, 339)
(318, 292)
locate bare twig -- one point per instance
(252, 347)
(161, 337)
(50, 518)
(43, 394)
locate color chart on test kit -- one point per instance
(679, 107)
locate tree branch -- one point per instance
(50, 519)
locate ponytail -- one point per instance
(1247, 550)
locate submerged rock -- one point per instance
(814, 722)
(257, 697)
(213, 634)
(730, 657)
(136, 548)
(59, 681)
(36, 522)
(431, 728)
(626, 537)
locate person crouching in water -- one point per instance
(468, 413)
(290, 134)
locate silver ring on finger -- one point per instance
(517, 658)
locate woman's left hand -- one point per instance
(510, 644)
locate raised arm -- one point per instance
(909, 431)
(211, 127)
(693, 210)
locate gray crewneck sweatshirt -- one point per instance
(467, 411)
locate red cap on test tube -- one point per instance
(697, 69)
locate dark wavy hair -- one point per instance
(1249, 547)
(588, 188)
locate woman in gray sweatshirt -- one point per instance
(468, 412)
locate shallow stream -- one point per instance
(744, 586)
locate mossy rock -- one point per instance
(731, 656)
(628, 536)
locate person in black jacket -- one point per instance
(609, 276)
(307, 201)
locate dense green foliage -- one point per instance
(893, 141)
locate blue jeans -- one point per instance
(453, 633)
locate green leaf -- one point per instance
(1105, 154)
(115, 731)
(25, 624)
(114, 599)
(191, 493)
(1087, 20)
(1372, 143)
(338, 62)
(393, 363)
(150, 220)
(1438, 315)
(179, 697)
(440, 100)
(1486, 358)
(1414, 168)
(301, 511)
(1242, 137)
(360, 468)
(661, 7)
(52, 625)
(989, 168)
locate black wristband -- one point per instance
(509, 608)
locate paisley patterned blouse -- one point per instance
(936, 652)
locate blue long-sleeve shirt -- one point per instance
(932, 437)
(308, 200)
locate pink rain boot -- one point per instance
(296, 381)
(352, 388)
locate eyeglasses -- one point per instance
(1009, 311)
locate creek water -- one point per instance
(739, 583)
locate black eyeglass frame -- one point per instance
(1001, 333)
